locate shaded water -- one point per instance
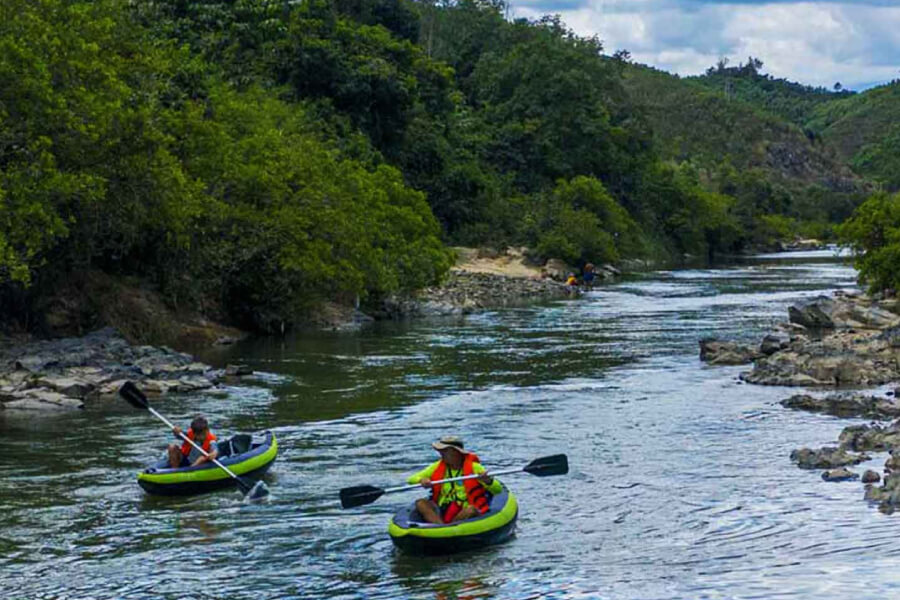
(681, 485)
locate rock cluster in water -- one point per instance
(844, 340)
(64, 373)
(835, 341)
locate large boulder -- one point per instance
(842, 311)
(813, 315)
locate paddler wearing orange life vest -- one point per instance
(458, 500)
(185, 455)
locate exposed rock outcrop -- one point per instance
(62, 374)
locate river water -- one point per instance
(680, 485)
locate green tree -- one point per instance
(873, 233)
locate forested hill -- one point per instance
(862, 128)
(792, 101)
(251, 159)
(735, 138)
(865, 129)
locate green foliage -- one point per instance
(791, 101)
(873, 233)
(263, 155)
(864, 129)
(696, 221)
(128, 155)
(578, 221)
(548, 99)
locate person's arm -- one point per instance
(213, 453)
(423, 474)
(490, 483)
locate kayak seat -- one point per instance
(241, 443)
(237, 444)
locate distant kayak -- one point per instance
(242, 454)
(411, 534)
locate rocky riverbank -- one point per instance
(485, 279)
(844, 340)
(465, 292)
(65, 373)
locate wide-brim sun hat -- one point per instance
(450, 441)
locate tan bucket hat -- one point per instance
(450, 441)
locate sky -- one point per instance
(854, 42)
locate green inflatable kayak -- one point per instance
(242, 454)
(412, 535)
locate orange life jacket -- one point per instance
(206, 445)
(475, 492)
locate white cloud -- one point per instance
(816, 43)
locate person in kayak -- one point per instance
(458, 500)
(185, 455)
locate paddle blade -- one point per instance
(557, 464)
(359, 495)
(258, 493)
(134, 395)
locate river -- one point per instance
(680, 485)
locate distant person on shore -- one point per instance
(458, 500)
(185, 455)
(587, 276)
(571, 279)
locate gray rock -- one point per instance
(41, 399)
(840, 474)
(842, 311)
(715, 352)
(774, 342)
(871, 476)
(870, 438)
(192, 384)
(67, 386)
(825, 458)
(846, 405)
(813, 315)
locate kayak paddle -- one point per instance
(546, 466)
(137, 398)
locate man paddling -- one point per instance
(458, 500)
(185, 455)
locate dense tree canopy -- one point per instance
(264, 155)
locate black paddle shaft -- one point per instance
(557, 464)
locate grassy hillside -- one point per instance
(865, 129)
(693, 122)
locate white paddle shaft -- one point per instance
(191, 442)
